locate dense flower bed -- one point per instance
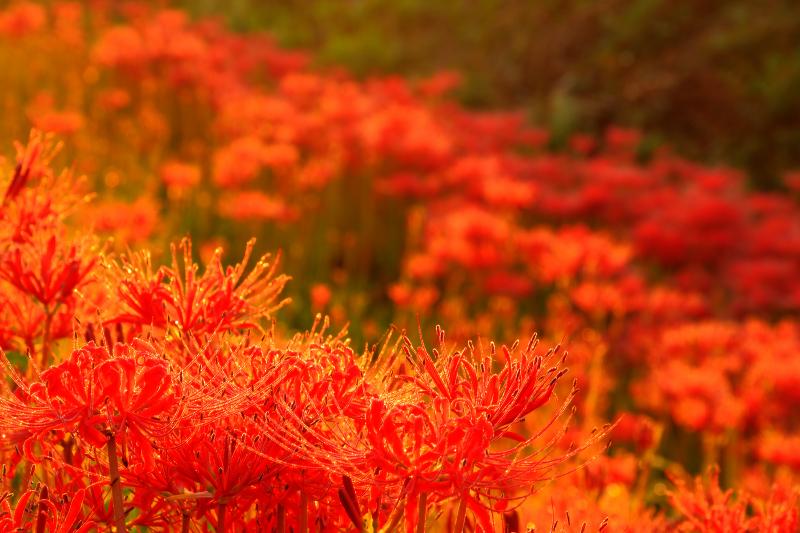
(146, 391)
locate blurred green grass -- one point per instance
(719, 80)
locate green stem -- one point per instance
(116, 485)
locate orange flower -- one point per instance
(239, 162)
(21, 19)
(126, 222)
(254, 205)
(179, 175)
(280, 157)
(60, 122)
(320, 296)
(121, 46)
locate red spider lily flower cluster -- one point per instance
(706, 507)
(220, 300)
(147, 392)
(178, 394)
(433, 429)
(42, 267)
(93, 394)
(46, 515)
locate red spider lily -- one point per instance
(178, 175)
(222, 465)
(21, 319)
(298, 400)
(622, 255)
(438, 432)
(224, 298)
(128, 222)
(471, 412)
(708, 509)
(44, 514)
(143, 294)
(36, 198)
(103, 399)
(239, 163)
(254, 205)
(35, 255)
(219, 300)
(38, 261)
(47, 268)
(24, 321)
(219, 457)
(96, 395)
(32, 163)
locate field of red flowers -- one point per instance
(366, 376)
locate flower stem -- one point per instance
(393, 520)
(421, 508)
(596, 376)
(186, 522)
(26, 478)
(461, 515)
(41, 519)
(303, 518)
(47, 335)
(46, 338)
(66, 444)
(710, 450)
(281, 520)
(116, 485)
(221, 508)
